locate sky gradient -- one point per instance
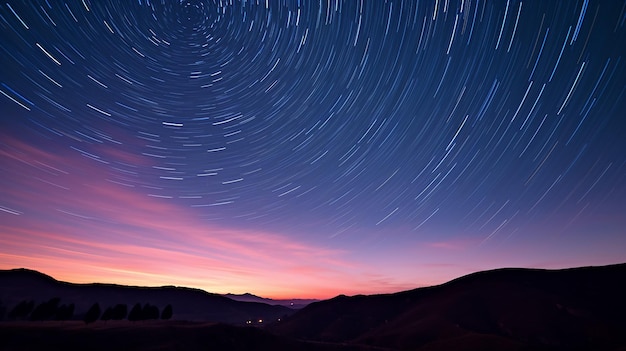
(310, 148)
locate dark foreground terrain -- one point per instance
(504, 309)
(188, 304)
(161, 335)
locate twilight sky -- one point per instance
(300, 148)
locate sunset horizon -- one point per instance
(308, 149)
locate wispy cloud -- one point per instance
(75, 225)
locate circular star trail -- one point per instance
(335, 119)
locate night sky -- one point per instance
(300, 148)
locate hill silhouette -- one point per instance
(188, 304)
(504, 309)
(291, 303)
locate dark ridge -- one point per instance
(25, 273)
(291, 303)
(503, 309)
(190, 304)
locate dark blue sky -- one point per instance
(381, 134)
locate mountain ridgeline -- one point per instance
(26, 286)
(503, 309)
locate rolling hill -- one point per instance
(291, 303)
(504, 309)
(188, 304)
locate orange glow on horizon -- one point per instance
(86, 229)
(63, 216)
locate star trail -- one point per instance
(310, 148)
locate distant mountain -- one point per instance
(291, 303)
(188, 304)
(504, 309)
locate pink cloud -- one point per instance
(74, 225)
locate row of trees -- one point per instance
(52, 310)
(118, 312)
(46, 311)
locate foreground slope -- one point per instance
(504, 309)
(188, 304)
(169, 335)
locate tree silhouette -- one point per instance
(149, 312)
(45, 310)
(167, 312)
(92, 314)
(119, 312)
(135, 313)
(64, 312)
(107, 315)
(22, 310)
(2, 310)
